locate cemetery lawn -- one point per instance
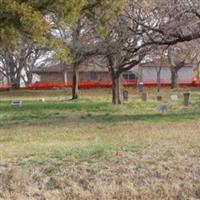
(91, 149)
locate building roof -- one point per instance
(158, 63)
(58, 68)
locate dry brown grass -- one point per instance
(166, 175)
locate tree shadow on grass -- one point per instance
(87, 106)
(157, 117)
(55, 118)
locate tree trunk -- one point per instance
(14, 81)
(29, 78)
(174, 77)
(158, 81)
(116, 90)
(75, 81)
(15, 84)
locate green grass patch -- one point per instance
(90, 129)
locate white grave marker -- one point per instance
(174, 97)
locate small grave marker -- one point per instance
(162, 107)
(186, 97)
(174, 97)
(144, 96)
(42, 99)
(141, 87)
(125, 95)
(16, 103)
(159, 98)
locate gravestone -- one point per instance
(174, 97)
(144, 96)
(42, 99)
(16, 103)
(162, 107)
(141, 87)
(159, 98)
(186, 98)
(125, 95)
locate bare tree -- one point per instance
(123, 47)
(174, 21)
(175, 67)
(181, 55)
(17, 62)
(13, 63)
(82, 43)
(158, 74)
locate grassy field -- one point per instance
(90, 149)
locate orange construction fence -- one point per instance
(98, 84)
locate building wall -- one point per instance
(83, 76)
(186, 74)
(150, 74)
(94, 76)
(91, 76)
(52, 77)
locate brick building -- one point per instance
(146, 72)
(57, 73)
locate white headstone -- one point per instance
(42, 99)
(16, 103)
(174, 97)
